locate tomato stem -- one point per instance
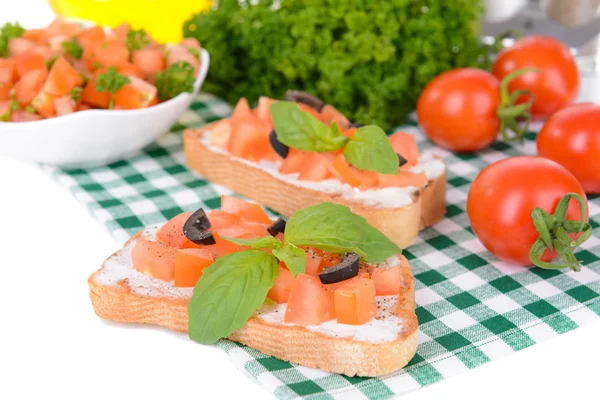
(509, 112)
(555, 233)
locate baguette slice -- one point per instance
(400, 224)
(120, 293)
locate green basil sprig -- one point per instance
(236, 285)
(368, 150)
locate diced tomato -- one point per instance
(171, 233)
(29, 85)
(7, 78)
(62, 78)
(46, 52)
(310, 110)
(332, 287)
(294, 161)
(136, 94)
(17, 46)
(92, 97)
(119, 32)
(329, 114)
(24, 116)
(221, 219)
(5, 110)
(5, 89)
(64, 105)
(262, 111)
(387, 280)
(38, 36)
(222, 247)
(313, 263)
(149, 61)
(402, 179)
(130, 69)
(91, 35)
(280, 292)
(61, 27)
(44, 104)
(154, 259)
(189, 264)
(404, 144)
(244, 209)
(316, 168)
(191, 43)
(254, 229)
(107, 53)
(29, 61)
(349, 132)
(329, 260)
(355, 302)
(343, 171)
(179, 53)
(82, 107)
(308, 302)
(242, 109)
(249, 139)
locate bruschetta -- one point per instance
(342, 305)
(248, 154)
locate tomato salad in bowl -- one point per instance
(86, 95)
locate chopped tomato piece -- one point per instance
(61, 27)
(294, 161)
(46, 52)
(5, 110)
(24, 116)
(280, 292)
(62, 78)
(355, 302)
(310, 110)
(171, 233)
(29, 61)
(329, 260)
(119, 33)
(316, 168)
(222, 247)
(17, 46)
(191, 43)
(29, 85)
(149, 61)
(136, 94)
(349, 132)
(82, 107)
(249, 139)
(254, 229)
(64, 105)
(403, 179)
(179, 53)
(262, 111)
(244, 209)
(343, 171)
(92, 97)
(404, 144)
(387, 280)
(128, 68)
(242, 109)
(308, 302)
(44, 104)
(7, 78)
(154, 259)
(330, 114)
(221, 219)
(39, 36)
(313, 263)
(332, 287)
(189, 264)
(91, 35)
(107, 53)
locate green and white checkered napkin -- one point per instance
(472, 308)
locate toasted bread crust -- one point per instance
(400, 224)
(290, 343)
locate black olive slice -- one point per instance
(277, 227)
(356, 125)
(196, 228)
(279, 147)
(346, 269)
(401, 160)
(302, 97)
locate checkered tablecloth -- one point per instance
(472, 308)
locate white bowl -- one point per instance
(95, 137)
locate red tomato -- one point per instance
(557, 83)
(457, 109)
(505, 193)
(571, 137)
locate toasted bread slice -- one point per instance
(121, 293)
(401, 224)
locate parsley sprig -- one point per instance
(111, 81)
(136, 39)
(175, 79)
(7, 32)
(73, 48)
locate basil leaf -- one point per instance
(300, 130)
(371, 150)
(229, 292)
(333, 227)
(265, 242)
(294, 257)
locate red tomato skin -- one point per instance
(457, 109)
(503, 195)
(555, 86)
(571, 137)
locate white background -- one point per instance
(52, 345)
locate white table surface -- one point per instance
(52, 345)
